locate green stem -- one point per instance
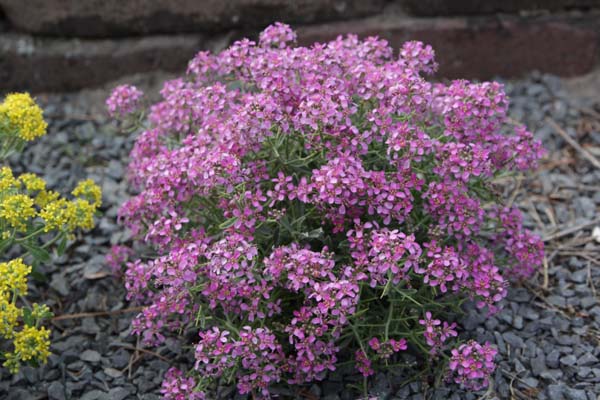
(389, 321)
(24, 238)
(53, 240)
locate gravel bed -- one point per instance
(547, 334)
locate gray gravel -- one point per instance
(547, 339)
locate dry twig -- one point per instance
(96, 314)
(138, 349)
(586, 154)
(571, 230)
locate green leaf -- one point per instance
(4, 244)
(62, 246)
(228, 223)
(36, 275)
(27, 317)
(38, 253)
(286, 224)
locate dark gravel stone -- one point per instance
(587, 359)
(555, 392)
(569, 360)
(575, 394)
(514, 340)
(95, 395)
(91, 356)
(56, 391)
(557, 301)
(118, 393)
(538, 364)
(552, 359)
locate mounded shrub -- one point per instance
(315, 206)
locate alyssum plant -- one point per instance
(312, 206)
(32, 220)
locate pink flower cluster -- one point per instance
(387, 348)
(472, 364)
(308, 205)
(176, 386)
(117, 258)
(256, 352)
(437, 333)
(124, 100)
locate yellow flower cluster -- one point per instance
(32, 343)
(88, 190)
(7, 180)
(32, 182)
(9, 316)
(23, 116)
(25, 200)
(29, 342)
(14, 276)
(67, 216)
(17, 210)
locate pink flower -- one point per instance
(472, 364)
(437, 333)
(176, 386)
(363, 364)
(278, 36)
(124, 100)
(385, 349)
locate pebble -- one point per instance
(94, 395)
(557, 301)
(555, 392)
(514, 340)
(579, 276)
(569, 360)
(90, 356)
(538, 364)
(56, 391)
(587, 359)
(60, 284)
(575, 394)
(118, 393)
(112, 372)
(552, 358)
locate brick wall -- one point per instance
(55, 45)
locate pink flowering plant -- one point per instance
(312, 206)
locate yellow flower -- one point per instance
(7, 180)
(14, 276)
(9, 316)
(32, 344)
(32, 182)
(45, 197)
(17, 209)
(81, 214)
(55, 214)
(24, 116)
(11, 363)
(40, 311)
(88, 190)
